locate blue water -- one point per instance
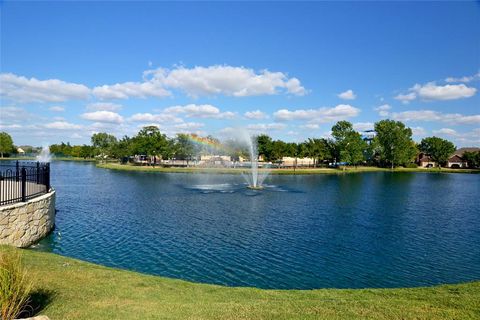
(343, 231)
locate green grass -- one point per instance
(65, 288)
(128, 167)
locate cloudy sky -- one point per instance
(287, 69)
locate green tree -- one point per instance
(277, 150)
(317, 149)
(437, 148)
(103, 143)
(265, 147)
(394, 143)
(122, 149)
(349, 143)
(6, 143)
(472, 158)
(184, 148)
(150, 141)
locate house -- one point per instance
(425, 161)
(455, 161)
(20, 151)
(298, 162)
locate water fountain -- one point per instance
(44, 155)
(254, 178)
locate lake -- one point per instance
(377, 229)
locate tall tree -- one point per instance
(265, 146)
(394, 143)
(151, 142)
(6, 143)
(438, 149)
(184, 147)
(349, 143)
(103, 143)
(472, 158)
(317, 149)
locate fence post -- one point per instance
(47, 176)
(17, 172)
(24, 184)
(38, 172)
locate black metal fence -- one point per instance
(22, 181)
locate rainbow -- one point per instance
(205, 141)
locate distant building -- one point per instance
(425, 161)
(299, 162)
(455, 161)
(20, 151)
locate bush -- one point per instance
(14, 285)
(411, 165)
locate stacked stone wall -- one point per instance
(25, 223)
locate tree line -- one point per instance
(392, 146)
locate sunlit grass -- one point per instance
(80, 290)
(289, 171)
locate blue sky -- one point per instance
(69, 69)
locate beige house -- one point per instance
(455, 161)
(425, 161)
(299, 162)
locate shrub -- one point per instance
(411, 165)
(14, 285)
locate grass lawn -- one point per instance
(71, 289)
(129, 167)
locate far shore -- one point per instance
(52, 159)
(277, 171)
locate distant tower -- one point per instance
(368, 135)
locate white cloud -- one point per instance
(266, 126)
(465, 79)
(310, 126)
(104, 106)
(12, 113)
(431, 91)
(225, 80)
(103, 116)
(57, 109)
(321, 115)
(62, 125)
(131, 89)
(148, 117)
(430, 115)
(383, 110)
(446, 131)
(418, 131)
(22, 89)
(257, 114)
(200, 111)
(189, 126)
(362, 126)
(347, 95)
(10, 126)
(406, 98)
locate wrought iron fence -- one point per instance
(22, 181)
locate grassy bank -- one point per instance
(128, 167)
(65, 288)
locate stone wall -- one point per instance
(22, 224)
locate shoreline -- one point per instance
(75, 289)
(276, 171)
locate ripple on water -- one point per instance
(352, 231)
